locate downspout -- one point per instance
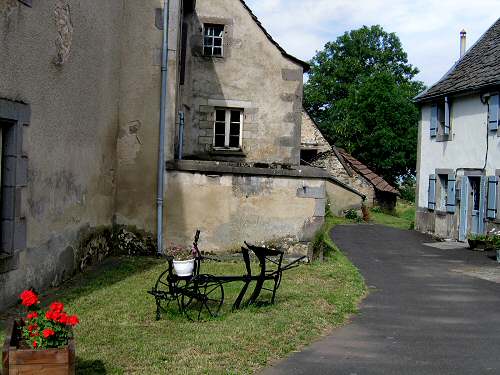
(163, 112)
(181, 134)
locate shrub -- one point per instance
(45, 329)
(352, 214)
(407, 189)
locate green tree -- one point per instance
(360, 92)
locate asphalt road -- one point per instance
(421, 316)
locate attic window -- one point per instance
(26, 2)
(213, 40)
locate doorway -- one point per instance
(472, 206)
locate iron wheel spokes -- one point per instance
(202, 300)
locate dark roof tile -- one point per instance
(478, 68)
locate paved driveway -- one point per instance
(423, 316)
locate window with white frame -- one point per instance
(228, 128)
(213, 40)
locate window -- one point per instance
(13, 177)
(213, 40)
(228, 128)
(441, 119)
(26, 2)
(443, 193)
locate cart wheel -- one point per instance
(166, 292)
(202, 299)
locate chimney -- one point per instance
(463, 43)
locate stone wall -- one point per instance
(253, 75)
(332, 164)
(231, 208)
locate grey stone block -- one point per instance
(20, 234)
(288, 97)
(294, 117)
(206, 109)
(292, 74)
(9, 166)
(7, 236)
(9, 203)
(205, 140)
(206, 125)
(8, 262)
(311, 192)
(320, 207)
(22, 171)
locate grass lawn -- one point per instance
(404, 217)
(119, 335)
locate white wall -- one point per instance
(467, 149)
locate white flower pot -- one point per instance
(184, 268)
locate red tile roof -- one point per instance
(378, 182)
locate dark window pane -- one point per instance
(234, 141)
(217, 42)
(208, 42)
(219, 141)
(220, 128)
(235, 130)
(218, 30)
(235, 116)
(207, 51)
(220, 115)
(217, 51)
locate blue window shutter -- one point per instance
(464, 193)
(451, 196)
(434, 120)
(494, 114)
(432, 192)
(447, 120)
(482, 204)
(492, 197)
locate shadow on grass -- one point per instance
(109, 272)
(91, 367)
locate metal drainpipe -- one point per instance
(181, 134)
(161, 148)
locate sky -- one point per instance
(428, 29)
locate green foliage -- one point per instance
(407, 189)
(352, 214)
(96, 244)
(360, 91)
(402, 218)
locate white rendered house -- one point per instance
(458, 164)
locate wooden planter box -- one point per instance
(42, 362)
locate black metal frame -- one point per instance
(201, 296)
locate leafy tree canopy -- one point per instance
(360, 92)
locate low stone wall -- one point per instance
(341, 199)
(440, 224)
(232, 208)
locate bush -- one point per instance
(352, 214)
(407, 189)
(96, 244)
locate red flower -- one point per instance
(29, 298)
(32, 327)
(48, 332)
(63, 319)
(35, 344)
(32, 315)
(57, 307)
(73, 320)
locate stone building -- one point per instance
(317, 152)
(80, 99)
(458, 163)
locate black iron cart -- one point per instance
(201, 296)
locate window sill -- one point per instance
(228, 152)
(8, 262)
(443, 138)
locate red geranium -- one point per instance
(57, 307)
(48, 333)
(43, 329)
(73, 320)
(28, 298)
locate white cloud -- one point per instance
(429, 29)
